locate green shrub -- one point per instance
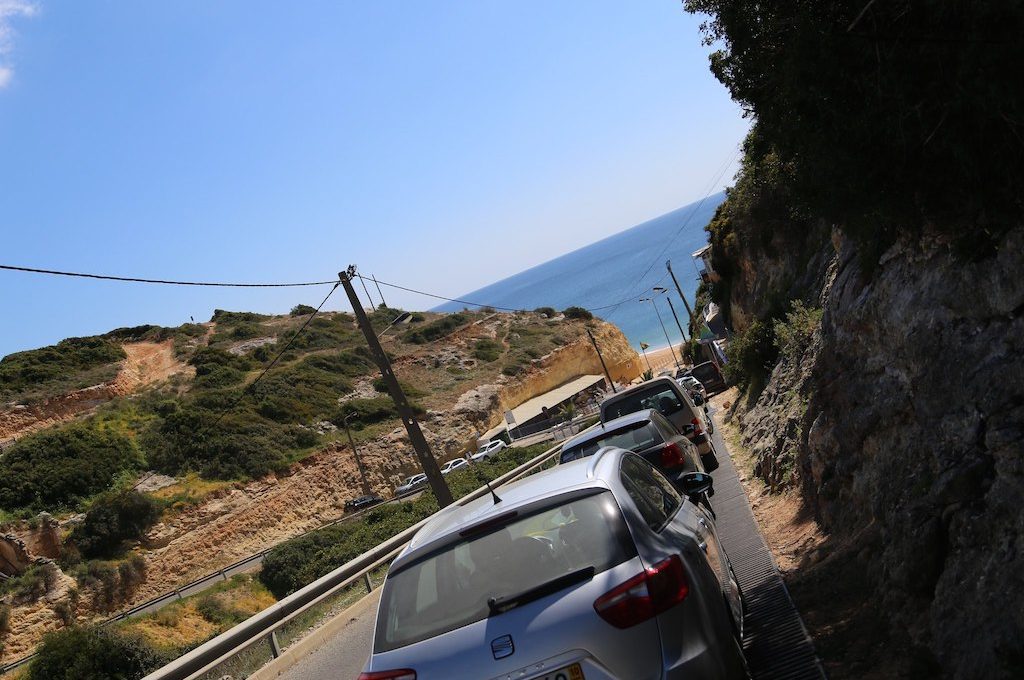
(70, 364)
(577, 313)
(436, 329)
(751, 355)
(417, 318)
(61, 467)
(231, 318)
(487, 350)
(513, 369)
(210, 358)
(794, 334)
(369, 411)
(214, 610)
(112, 520)
(97, 653)
(5, 619)
(113, 582)
(31, 584)
(410, 391)
(548, 312)
(302, 310)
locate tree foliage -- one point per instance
(112, 520)
(68, 365)
(61, 467)
(884, 116)
(97, 653)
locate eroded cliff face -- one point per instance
(903, 425)
(569, 362)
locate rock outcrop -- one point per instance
(903, 425)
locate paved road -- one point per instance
(344, 655)
(776, 643)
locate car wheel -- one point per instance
(710, 461)
(737, 663)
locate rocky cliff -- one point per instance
(902, 423)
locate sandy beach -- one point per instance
(660, 358)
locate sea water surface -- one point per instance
(618, 271)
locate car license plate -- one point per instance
(573, 672)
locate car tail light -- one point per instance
(400, 674)
(672, 456)
(646, 595)
(697, 429)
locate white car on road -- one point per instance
(453, 464)
(487, 450)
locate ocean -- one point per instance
(612, 270)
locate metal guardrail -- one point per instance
(158, 602)
(263, 627)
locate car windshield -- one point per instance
(659, 397)
(633, 437)
(451, 588)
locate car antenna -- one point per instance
(493, 495)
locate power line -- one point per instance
(714, 182)
(132, 279)
(442, 297)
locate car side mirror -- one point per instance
(698, 400)
(696, 484)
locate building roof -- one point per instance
(700, 253)
(532, 408)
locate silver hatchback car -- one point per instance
(596, 569)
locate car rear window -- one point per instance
(634, 437)
(450, 588)
(705, 372)
(658, 397)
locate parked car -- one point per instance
(598, 569)
(411, 484)
(363, 502)
(647, 433)
(672, 401)
(453, 464)
(709, 376)
(692, 385)
(487, 450)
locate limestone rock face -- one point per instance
(903, 425)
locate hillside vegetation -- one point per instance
(226, 455)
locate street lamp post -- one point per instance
(663, 329)
(643, 348)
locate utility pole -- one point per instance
(355, 452)
(384, 304)
(412, 426)
(693, 321)
(598, 350)
(678, 325)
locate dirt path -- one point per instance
(145, 363)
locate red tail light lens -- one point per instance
(672, 456)
(644, 596)
(696, 426)
(400, 674)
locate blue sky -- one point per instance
(442, 145)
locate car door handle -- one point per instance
(703, 546)
(701, 521)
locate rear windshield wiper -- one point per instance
(498, 605)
